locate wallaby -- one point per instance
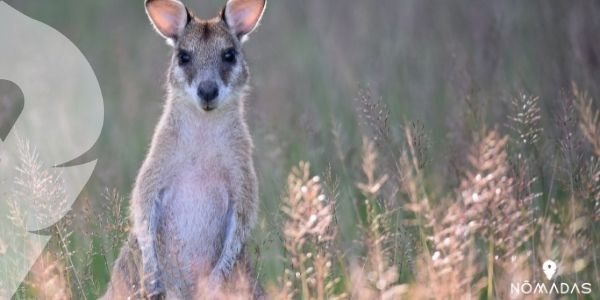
(195, 198)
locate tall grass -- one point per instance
(455, 90)
(492, 227)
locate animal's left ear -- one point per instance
(243, 16)
(169, 17)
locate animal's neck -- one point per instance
(191, 123)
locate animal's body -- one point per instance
(195, 198)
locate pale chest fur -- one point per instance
(202, 176)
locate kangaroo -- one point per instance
(195, 198)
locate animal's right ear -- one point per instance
(243, 16)
(169, 17)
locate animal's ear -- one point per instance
(243, 16)
(169, 17)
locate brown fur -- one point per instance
(195, 198)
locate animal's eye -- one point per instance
(229, 56)
(184, 57)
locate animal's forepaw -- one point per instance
(153, 290)
(160, 296)
(215, 281)
(213, 287)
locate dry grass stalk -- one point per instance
(449, 268)
(308, 232)
(48, 279)
(567, 242)
(451, 271)
(525, 122)
(115, 221)
(412, 184)
(46, 190)
(338, 139)
(371, 188)
(589, 124)
(491, 207)
(590, 127)
(378, 277)
(589, 179)
(487, 193)
(374, 116)
(589, 119)
(575, 246)
(525, 119)
(488, 209)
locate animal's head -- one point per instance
(208, 66)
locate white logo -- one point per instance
(553, 288)
(549, 269)
(61, 119)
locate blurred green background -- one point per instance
(424, 61)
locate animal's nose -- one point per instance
(208, 90)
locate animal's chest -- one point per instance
(197, 207)
(200, 192)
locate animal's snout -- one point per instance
(208, 91)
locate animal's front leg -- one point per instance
(152, 285)
(232, 245)
(146, 210)
(240, 218)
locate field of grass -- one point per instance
(405, 149)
